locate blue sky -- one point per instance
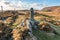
(47, 2)
(27, 4)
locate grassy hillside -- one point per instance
(46, 19)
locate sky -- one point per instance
(27, 4)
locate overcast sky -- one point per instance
(27, 4)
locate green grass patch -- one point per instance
(43, 36)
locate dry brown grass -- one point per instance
(54, 14)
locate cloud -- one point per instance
(4, 5)
(11, 5)
(18, 5)
(23, 5)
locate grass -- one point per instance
(57, 29)
(43, 36)
(37, 14)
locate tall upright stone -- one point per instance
(32, 13)
(32, 21)
(2, 9)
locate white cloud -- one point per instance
(22, 5)
(19, 5)
(5, 6)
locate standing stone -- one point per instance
(32, 21)
(2, 9)
(32, 14)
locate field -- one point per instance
(50, 19)
(48, 27)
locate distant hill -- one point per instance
(52, 9)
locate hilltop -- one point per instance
(52, 9)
